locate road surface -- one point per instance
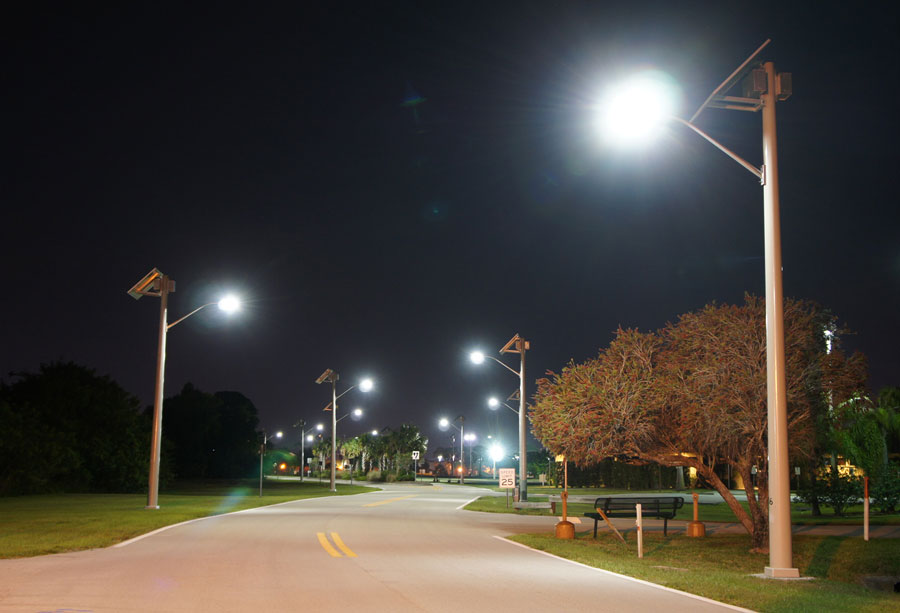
(405, 548)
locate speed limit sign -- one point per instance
(508, 478)
(415, 455)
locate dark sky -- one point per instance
(267, 149)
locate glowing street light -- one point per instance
(519, 345)
(761, 88)
(445, 423)
(160, 286)
(365, 385)
(497, 453)
(262, 453)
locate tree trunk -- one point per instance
(679, 477)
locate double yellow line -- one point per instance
(334, 553)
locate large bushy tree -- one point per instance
(210, 435)
(65, 428)
(694, 394)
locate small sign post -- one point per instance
(507, 481)
(415, 456)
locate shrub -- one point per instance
(885, 489)
(840, 490)
(374, 475)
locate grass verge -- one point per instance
(721, 568)
(38, 525)
(800, 513)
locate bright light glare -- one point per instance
(493, 403)
(496, 453)
(230, 303)
(357, 412)
(470, 437)
(279, 434)
(477, 357)
(444, 422)
(634, 112)
(309, 437)
(366, 385)
(320, 427)
(374, 432)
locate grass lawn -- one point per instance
(720, 567)
(800, 513)
(38, 525)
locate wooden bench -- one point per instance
(663, 508)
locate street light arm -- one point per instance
(515, 372)
(516, 411)
(200, 308)
(345, 391)
(734, 156)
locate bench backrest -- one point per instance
(648, 504)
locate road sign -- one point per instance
(508, 478)
(415, 455)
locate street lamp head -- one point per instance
(357, 412)
(374, 432)
(279, 434)
(309, 437)
(496, 453)
(320, 427)
(493, 403)
(477, 357)
(366, 385)
(633, 112)
(230, 303)
(444, 422)
(470, 436)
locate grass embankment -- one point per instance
(38, 525)
(721, 568)
(800, 512)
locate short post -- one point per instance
(866, 509)
(696, 527)
(565, 529)
(640, 532)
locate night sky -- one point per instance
(390, 185)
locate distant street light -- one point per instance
(262, 453)
(365, 385)
(160, 286)
(445, 423)
(496, 454)
(303, 438)
(761, 88)
(519, 345)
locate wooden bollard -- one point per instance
(696, 527)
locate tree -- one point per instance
(211, 435)
(65, 428)
(351, 449)
(694, 394)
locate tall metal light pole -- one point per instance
(364, 386)
(519, 345)
(761, 87)
(446, 423)
(159, 285)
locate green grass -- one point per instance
(38, 525)
(720, 567)
(800, 513)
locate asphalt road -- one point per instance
(406, 548)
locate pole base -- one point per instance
(152, 508)
(565, 530)
(696, 529)
(782, 573)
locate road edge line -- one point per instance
(634, 579)
(468, 502)
(190, 521)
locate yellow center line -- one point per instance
(323, 541)
(375, 504)
(342, 546)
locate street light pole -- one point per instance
(521, 346)
(165, 286)
(334, 379)
(780, 546)
(462, 457)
